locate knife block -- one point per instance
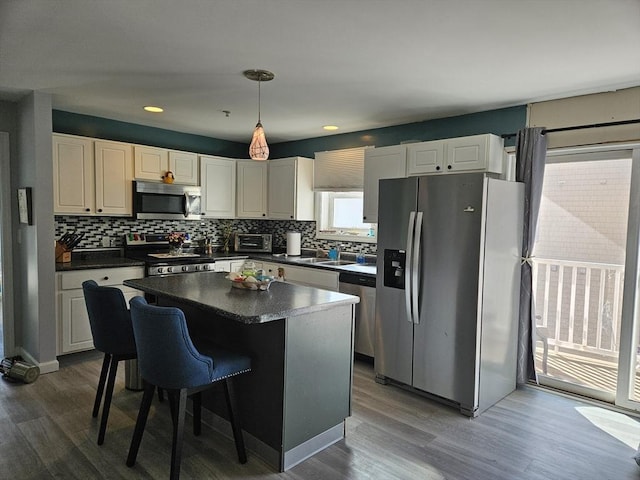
(62, 254)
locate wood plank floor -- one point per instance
(46, 431)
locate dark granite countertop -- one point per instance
(212, 291)
(87, 259)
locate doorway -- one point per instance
(581, 273)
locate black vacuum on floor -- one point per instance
(16, 369)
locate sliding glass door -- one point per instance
(584, 274)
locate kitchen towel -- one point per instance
(293, 243)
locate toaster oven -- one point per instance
(253, 242)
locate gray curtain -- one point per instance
(531, 151)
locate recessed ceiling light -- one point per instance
(150, 108)
(330, 127)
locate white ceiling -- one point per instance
(359, 64)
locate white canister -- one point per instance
(293, 243)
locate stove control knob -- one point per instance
(169, 269)
(205, 267)
(197, 268)
(185, 268)
(160, 269)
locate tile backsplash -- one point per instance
(109, 231)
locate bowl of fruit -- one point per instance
(257, 281)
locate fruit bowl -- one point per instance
(258, 282)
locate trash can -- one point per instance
(132, 377)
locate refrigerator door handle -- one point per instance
(415, 269)
(408, 288)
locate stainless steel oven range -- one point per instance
(153, 249)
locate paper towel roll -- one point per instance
(293, 243)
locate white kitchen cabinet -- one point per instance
(74, 331)
(290, 190)
(379, 163)
(114, 178)
(222, 266)
(425, 157)
(92, 177)
(73, 175)
(184, 166)
(251, 190)
(477, 152)
(308, 276)
(473, 153)
(151, 163)
(218, 184)
(233, 265)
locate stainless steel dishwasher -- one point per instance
(363, 286)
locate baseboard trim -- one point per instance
(45, 367)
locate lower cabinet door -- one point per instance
(75, 330)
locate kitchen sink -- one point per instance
(324, 261)
(312, 260)
(336, 262)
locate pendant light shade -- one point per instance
(258, 149)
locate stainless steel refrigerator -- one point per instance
(447, 286)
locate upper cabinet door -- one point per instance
(291, 189)
(252, 189)
(151, 163)
(73, 177)
(379, 163)
(184, 166)
(476, 152)
(218, 177)
(114, 178)
(425, 157)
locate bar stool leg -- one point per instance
(101, 382)
(178, 432)
(197, 413)
(113, 368)
(143, 413)
(235, 420)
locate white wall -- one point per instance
(8, 150)
(34, 263)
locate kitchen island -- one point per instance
(300, 339)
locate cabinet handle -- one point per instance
(449, 167)
(87, 209)
(99, 210)
(264, 214)
(438, 167)
(105, 278)
(291, 217)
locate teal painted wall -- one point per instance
(498, 122)
(107, 129)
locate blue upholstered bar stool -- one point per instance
(112, 333)
(169, 360)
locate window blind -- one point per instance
(339, 170)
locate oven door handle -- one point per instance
(187, 205)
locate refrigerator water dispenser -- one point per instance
(394, 264)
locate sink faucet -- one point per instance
(338, 248)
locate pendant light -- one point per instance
(258, 149)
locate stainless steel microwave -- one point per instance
(166, 201)
(253, 242)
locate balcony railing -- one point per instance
(578, 305)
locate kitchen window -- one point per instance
(339, 217)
